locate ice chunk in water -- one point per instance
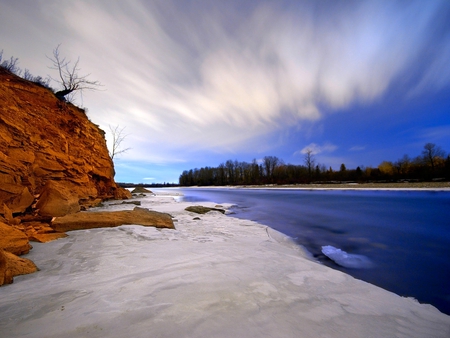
(345, 259)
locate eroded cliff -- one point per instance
(53, 160)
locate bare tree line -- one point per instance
(12, 65)
(432, 163)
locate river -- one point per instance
(403, 237)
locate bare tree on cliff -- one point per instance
(118, 137)
(68, 76)
(10, 65)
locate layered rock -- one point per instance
(11, 266)
(89, 220)
(50, 153)
(58, 199)
(53, 162)
(13, 240)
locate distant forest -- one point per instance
(431, 165)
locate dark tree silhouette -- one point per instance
(10, 65)
(68, 76)
(309, 161)
(270, 163)
(431, 153)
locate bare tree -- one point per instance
(118, 137)
(309, 160)
(10, 65)
(270, 163)
(431, 153)
(402, 165)
(68, 75)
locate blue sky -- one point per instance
(195, 83)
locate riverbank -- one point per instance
(439, 186)
(214, 276)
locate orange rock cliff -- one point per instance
(53, 162)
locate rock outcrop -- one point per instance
(13, 240)
(199, 209)
(89, 220)
(50, 153)
(53, 162)
(11, 266)
(141, 190)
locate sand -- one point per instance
(213, 277)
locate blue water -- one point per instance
(404, 234)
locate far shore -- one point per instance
(421, 186)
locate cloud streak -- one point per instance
(317, 149)
(197, 76)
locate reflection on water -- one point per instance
(406, 234)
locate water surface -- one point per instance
(404, 234)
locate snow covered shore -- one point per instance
(215, 276)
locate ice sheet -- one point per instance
(213, 277)
(352, 261)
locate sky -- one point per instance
(196, 83)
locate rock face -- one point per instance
(50, 153)
(103, 219)
(11, 265)
(57, 199)
(13, 240)
(6, 276)
(53, 162)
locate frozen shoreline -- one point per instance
(214, 277)
(429, 186)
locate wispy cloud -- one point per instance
(185, 76)
(317, 149)
(357, 148)
(435, 134)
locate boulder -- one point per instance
(91, 203)
(6, 276)
(198, 209)
(13, 240)
(20, 201)
(141, 190)
(103, 219)
(11, 266)
(57, 199)
(122, 194)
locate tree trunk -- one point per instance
(62, 93)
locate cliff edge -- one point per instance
(53, 162)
